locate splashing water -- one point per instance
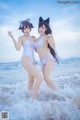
(63, 104)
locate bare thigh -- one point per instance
(31, 69)
(47, 69)
(30, 81)
(30, 76)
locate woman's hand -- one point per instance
(10, 34)
(16, 44)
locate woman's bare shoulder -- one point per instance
(49, 35)
(37, 38)
(21, 37)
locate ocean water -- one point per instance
(63, 104)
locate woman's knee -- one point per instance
(40, 78)
(46, 78)
(31, 80)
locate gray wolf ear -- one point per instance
(32, 25)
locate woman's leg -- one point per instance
(30, 81)
(47, 71)
(34, 72)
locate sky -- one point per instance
(64, 22)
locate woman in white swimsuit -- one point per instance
(27, 59)
(45, 47)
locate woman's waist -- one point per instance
(29, 53)
(48, 54)
(28, 50)
(43, 51)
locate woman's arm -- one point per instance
(34, 39)
(16, 44)
(50, 40)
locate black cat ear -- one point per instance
(47, 20)
(40, 19)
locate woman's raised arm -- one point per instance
(16, 44)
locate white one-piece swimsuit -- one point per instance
(28, 50)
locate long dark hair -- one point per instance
(48, 31)
(25, 23)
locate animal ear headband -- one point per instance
(27, 20)
(41, 20)
(23, 23)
